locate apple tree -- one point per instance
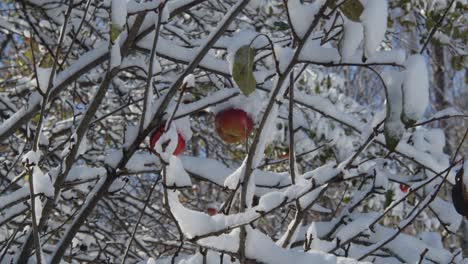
(213, 131)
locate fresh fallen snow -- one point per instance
(113, 157)
(261, 248)
(119, 12)
(176, 174)
(43, 76)
(81, 172)
(42, 183)
(143, 161)
(32, 157)
(393, 124)
(374, 21)
(355, 226)
(251, 104)
(116, 57)
(189, 80)
(415, 87)
(171, 138)
(351, 39)
(302, 15)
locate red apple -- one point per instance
(283, 155)
(211, 211)
(158, 133)
(404, 188)
(233, 125)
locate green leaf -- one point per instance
(407, 120)
(391, 139)
(242, 69)
(47, 61)
(388, 198)
(114, 32)
(352, 9)
(457, 62)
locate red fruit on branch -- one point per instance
(158, 133)
(404, 188)
(233, 125)
(283, 155)
(211, 211)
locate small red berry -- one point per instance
(212, 211)
(404, 188)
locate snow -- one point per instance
(374, 21)
(156, 65)
(190, 81)
(192, 223)
(415, 88)
(7, 199)
(393, 125)
(171, 6)
(326, 115)
(408, 247)
(136, 7)
(312, 196)
(151, 261)
(351, 39)
(184, 128)
(236, 177)
(302, 15)
(38, 209)
(143, 161)
(113, 157)
(119, 13)
(169, 137)
(32, 157)
(34, 102)
(358, 224)
(176, 174)
(42, 183)
(313, 51)
(271, 200)
(450, 111)
(433, 239)
(207, 168)
(251, 104)
(115, 57)
(284, 56)
(81, 172)
(43, 77)
(212, 100)
(170, 49)
(267, 135)
(322, 175)
(397, 56)
(151, 106)
(261, 248)
(131, 133)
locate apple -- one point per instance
(284, 155)
(233, 125)
(404, 188)
(211, 211)
(158, 133)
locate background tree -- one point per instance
(339, 152)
